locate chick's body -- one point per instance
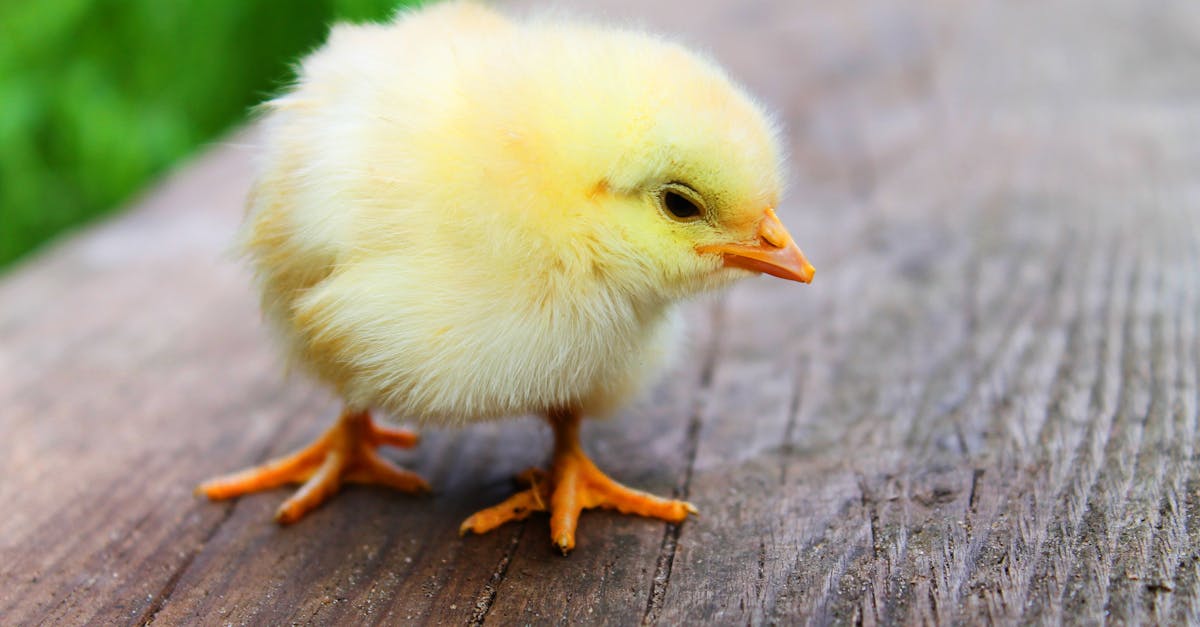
(461, 216)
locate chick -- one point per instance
(462, 216)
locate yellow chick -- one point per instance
(462, 216)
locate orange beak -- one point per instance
(774, 253)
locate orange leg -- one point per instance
(346, 452)
(572, 485)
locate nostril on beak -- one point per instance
(774, 242)
(772, 232)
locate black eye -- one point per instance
(679, 205)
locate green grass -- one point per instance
(97, 97)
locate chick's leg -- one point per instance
(346, 452)
(572, 485)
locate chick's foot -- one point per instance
(346, 452)
(572, 485)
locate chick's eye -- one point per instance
(680, 206)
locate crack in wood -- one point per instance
(1065, 311)
(794, 405)
(1074, 597)
(168, 588)
(976, 475)
(487, 596)
(670, 542)
(1187, 564)
(1062, 522)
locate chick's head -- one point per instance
(678, 170)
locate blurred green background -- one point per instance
(97, 97)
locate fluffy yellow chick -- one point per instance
(462, 216)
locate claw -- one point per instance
(572, 485)
(346, 452)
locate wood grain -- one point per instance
(983, 410)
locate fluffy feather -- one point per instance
(458, 215)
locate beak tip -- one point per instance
(807, 275)
(775, 253)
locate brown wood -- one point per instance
(983, 409)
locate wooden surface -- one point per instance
(984, 408)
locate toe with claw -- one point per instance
(572, 485)
(346, 452)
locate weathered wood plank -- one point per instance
(110, 349)
(985, 408)
(924, 572)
